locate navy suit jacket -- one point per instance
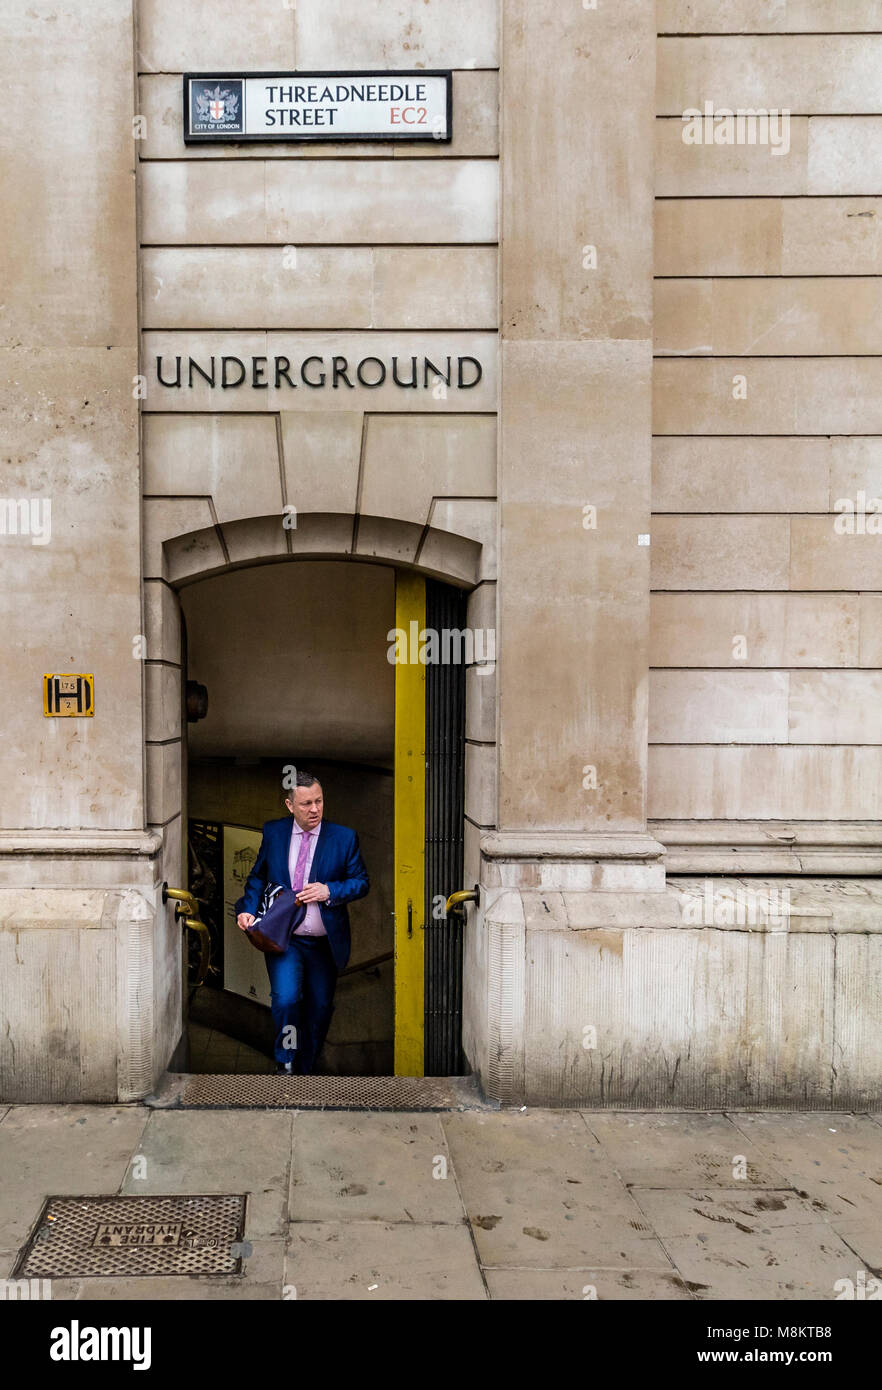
(337, 862)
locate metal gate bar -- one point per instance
(445, 787)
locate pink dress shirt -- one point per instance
(312, 924)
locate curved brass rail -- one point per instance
(456, 900)
(187, 912)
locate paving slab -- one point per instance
(557, 1204)
(61, 1150)
(688, 1150)
(372, 1167)
(539, 1191)
(600, 1285)
(382, 1260)
(791, 1263)
(836, 1159)
(59, 1289)
(865, 1239)
(747, 1244)
(676, 1212)
(262, 1277)
(206, 1151)
(202, 1289)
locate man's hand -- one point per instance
(314, 893)
(245, 920)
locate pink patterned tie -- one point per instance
(300, 869)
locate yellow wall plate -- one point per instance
(68, 694)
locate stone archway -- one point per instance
(174, 560)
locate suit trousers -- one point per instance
(302, 984)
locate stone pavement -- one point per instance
(476, 1204)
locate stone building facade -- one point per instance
(658, 495)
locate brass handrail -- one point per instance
(187, 912)
(465, 895)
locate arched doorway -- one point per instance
(321, 625)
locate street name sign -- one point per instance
(241, 107)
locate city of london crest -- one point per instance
(216, 106)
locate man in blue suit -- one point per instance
(322, 863)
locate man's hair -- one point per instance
(304, 779)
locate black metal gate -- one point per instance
(445, 780)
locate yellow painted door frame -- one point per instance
(410, 826)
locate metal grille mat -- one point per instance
(79, 1237)
(207, 1092)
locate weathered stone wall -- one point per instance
(78, 873)
(69, 419)
(764, 664)
(765, 721)
(667, 714)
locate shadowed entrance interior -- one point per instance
(294, 659)
(300, 673)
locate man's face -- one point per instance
(306, 805)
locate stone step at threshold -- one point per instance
(267, 1092)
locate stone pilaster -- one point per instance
(577, 96)
(574, 463)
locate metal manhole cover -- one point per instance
(321, 1093)
(78, 1237)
